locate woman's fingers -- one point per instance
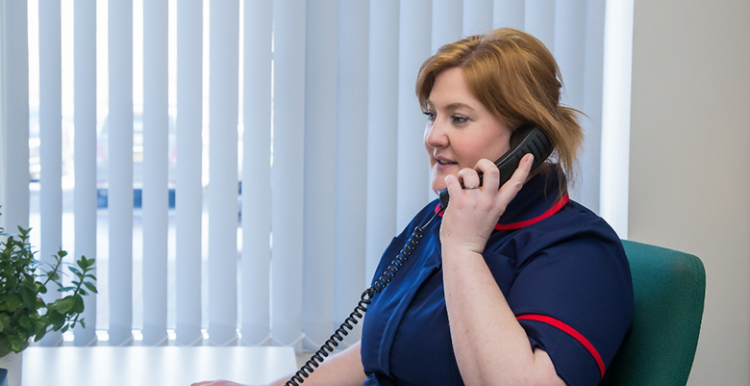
(466, 179)
(469, 178)
(453, 186)
(509, 190)
(490, 174)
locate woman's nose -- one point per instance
(435, 135)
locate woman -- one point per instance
(512, 286)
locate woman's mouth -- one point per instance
(443, 164)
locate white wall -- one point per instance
(690, 163)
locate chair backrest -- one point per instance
(669, 288)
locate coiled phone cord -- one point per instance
(366, 299)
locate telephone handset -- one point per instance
(526, 139)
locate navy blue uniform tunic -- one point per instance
(561, 268)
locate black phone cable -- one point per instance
(355, 316)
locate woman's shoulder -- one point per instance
(578, 221)
(573, 231)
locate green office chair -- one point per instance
(669, 288)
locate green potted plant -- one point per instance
(23, 279)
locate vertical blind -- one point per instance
(50, 136)
(84, 75)
(155, 165)
(320, 184)
(302, 113)
(188, 213)
(120, 172)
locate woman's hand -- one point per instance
(473, 211)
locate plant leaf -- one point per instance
(90, 286)
(40, 335)
(14, 301)
(29, 298)
(78, 307)
(75, 271)
(64, 305)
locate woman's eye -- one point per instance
(458, 119)
(430, 115)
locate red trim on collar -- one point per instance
(518, 225)
(572, 332)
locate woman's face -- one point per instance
(460, 130)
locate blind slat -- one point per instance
(382, 130)
(50, 135)
(320, 172)
(445, 26)
(570, 49)
(256, 174)
(15, 59)
(592, 105)
(508, 13)
(287, 171)
(540, 21)
(120, 171)
(223, 170)
(189, 194)
(570, 53)
(351, 163)
(414, 47)
(155, 170)
(84, 196)
(477, 17)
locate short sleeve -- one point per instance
(575, 301)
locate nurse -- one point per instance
(516, 285)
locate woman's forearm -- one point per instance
(491, 346)
(343, 369)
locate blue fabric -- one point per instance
(570, 267)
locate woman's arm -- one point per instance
(343, 369)
(491, 346)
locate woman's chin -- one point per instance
(439, 172)
(438, 185)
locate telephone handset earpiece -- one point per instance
(526, 139)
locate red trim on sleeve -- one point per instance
(570, 331)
